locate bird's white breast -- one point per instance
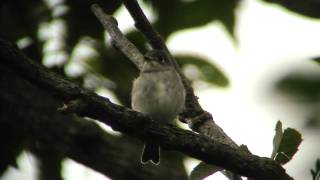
(160, 95)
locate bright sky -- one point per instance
(271, 42)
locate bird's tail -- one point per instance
(151, 152)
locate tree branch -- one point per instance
(198, 120)
(29, 113)
(121, 42)
(89, 104)
(142, 24)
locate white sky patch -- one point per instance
(108, 94)
(24, 42)
(271, 42)
(27, 168)
(74, 170)
(53, 34)
(79, 57)
(125, 21)
(192, 163)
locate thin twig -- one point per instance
(142, 24)
(121, 42)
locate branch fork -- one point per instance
(198, 119)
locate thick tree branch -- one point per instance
(28, 112)
(125, 120)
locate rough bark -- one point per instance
(31, 120)
(88, 104)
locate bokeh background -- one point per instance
(251, 62)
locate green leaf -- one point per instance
(316, 172)
(316, 59)
(300, 86)
(182, 15)
(285, 144)
(277, 139)
(209, 72)
(203, 170)
(308, 8)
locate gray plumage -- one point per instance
(159, 93)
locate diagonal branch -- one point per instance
(121, 42)
(88, 104)
(143, 25)
(198, 119)
(29, 113)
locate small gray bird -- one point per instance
(159, 93)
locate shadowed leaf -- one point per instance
(285, 144)
(317, 60)
(310, 8)
(277, 139)
(176, 15)
(316, 172)
(300, 86)
(210, 72)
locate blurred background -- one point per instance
(251, 62)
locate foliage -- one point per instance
(209, 72)
(317, 60)
(285, 144)
(316, 172)
(22, 19)
(303, 87)
(184, 14)
(308, 8)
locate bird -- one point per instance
(158, 92)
